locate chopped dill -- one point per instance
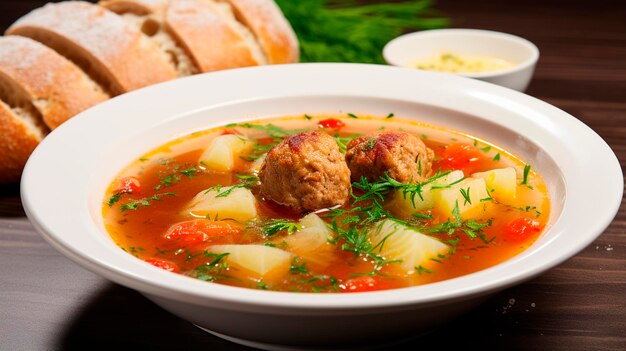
(420, 269)
(146, 201)
(114, 199)
(249, 180)
(274, 226)
(466, 196)
(525, 177)
(189, 172)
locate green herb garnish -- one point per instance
(249, 180)
(189, 172)
(114, 199)
(274, 226)
(420, 269)
(146, 201)
(466, 196)
(525, 177)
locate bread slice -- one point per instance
(147, 16)
(20, 133)
(119, 57)
(206, 31)
(211, 34)
(271, 28)
(35, 76)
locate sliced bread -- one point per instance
(204, 31)
(215, 40)
(20, 133)
(147, 16)
(35, 76)
(271, 28)
(119, 57)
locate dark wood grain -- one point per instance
(49, 303)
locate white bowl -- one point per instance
(65, 180)
(407, 49)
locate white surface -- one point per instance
(65, 180)
(408, 49)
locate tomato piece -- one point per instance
(230, 132)
(331, 123)
(163, 264)
(200, 231)
(460, 156)
(520, 229)
(128, 185)
(362, 284)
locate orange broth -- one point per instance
(137, 220)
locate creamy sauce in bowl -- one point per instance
(455, 63)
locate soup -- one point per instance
(326, 204)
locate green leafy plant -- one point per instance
(355, 31)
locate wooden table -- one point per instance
(49, 303)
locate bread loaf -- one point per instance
(35, 77)
(114, 53)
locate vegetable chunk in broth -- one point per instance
(326, 204)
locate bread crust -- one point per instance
(271, 28)
(205, 32)
(114, 53)
(17, 142)
(138, 7)
(35, 74)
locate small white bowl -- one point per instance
(406, 50)
(65, 180)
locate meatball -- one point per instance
(402, 155)
(306, 172)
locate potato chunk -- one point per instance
(395, 241)
(501, 182)
(261, 260)
(239, 204)
(311, 242)
(467, 194)
(224, 150)
(402, 205)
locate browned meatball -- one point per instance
(306, 172)
(402, 155)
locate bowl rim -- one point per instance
(41, 201)
(403, 39)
